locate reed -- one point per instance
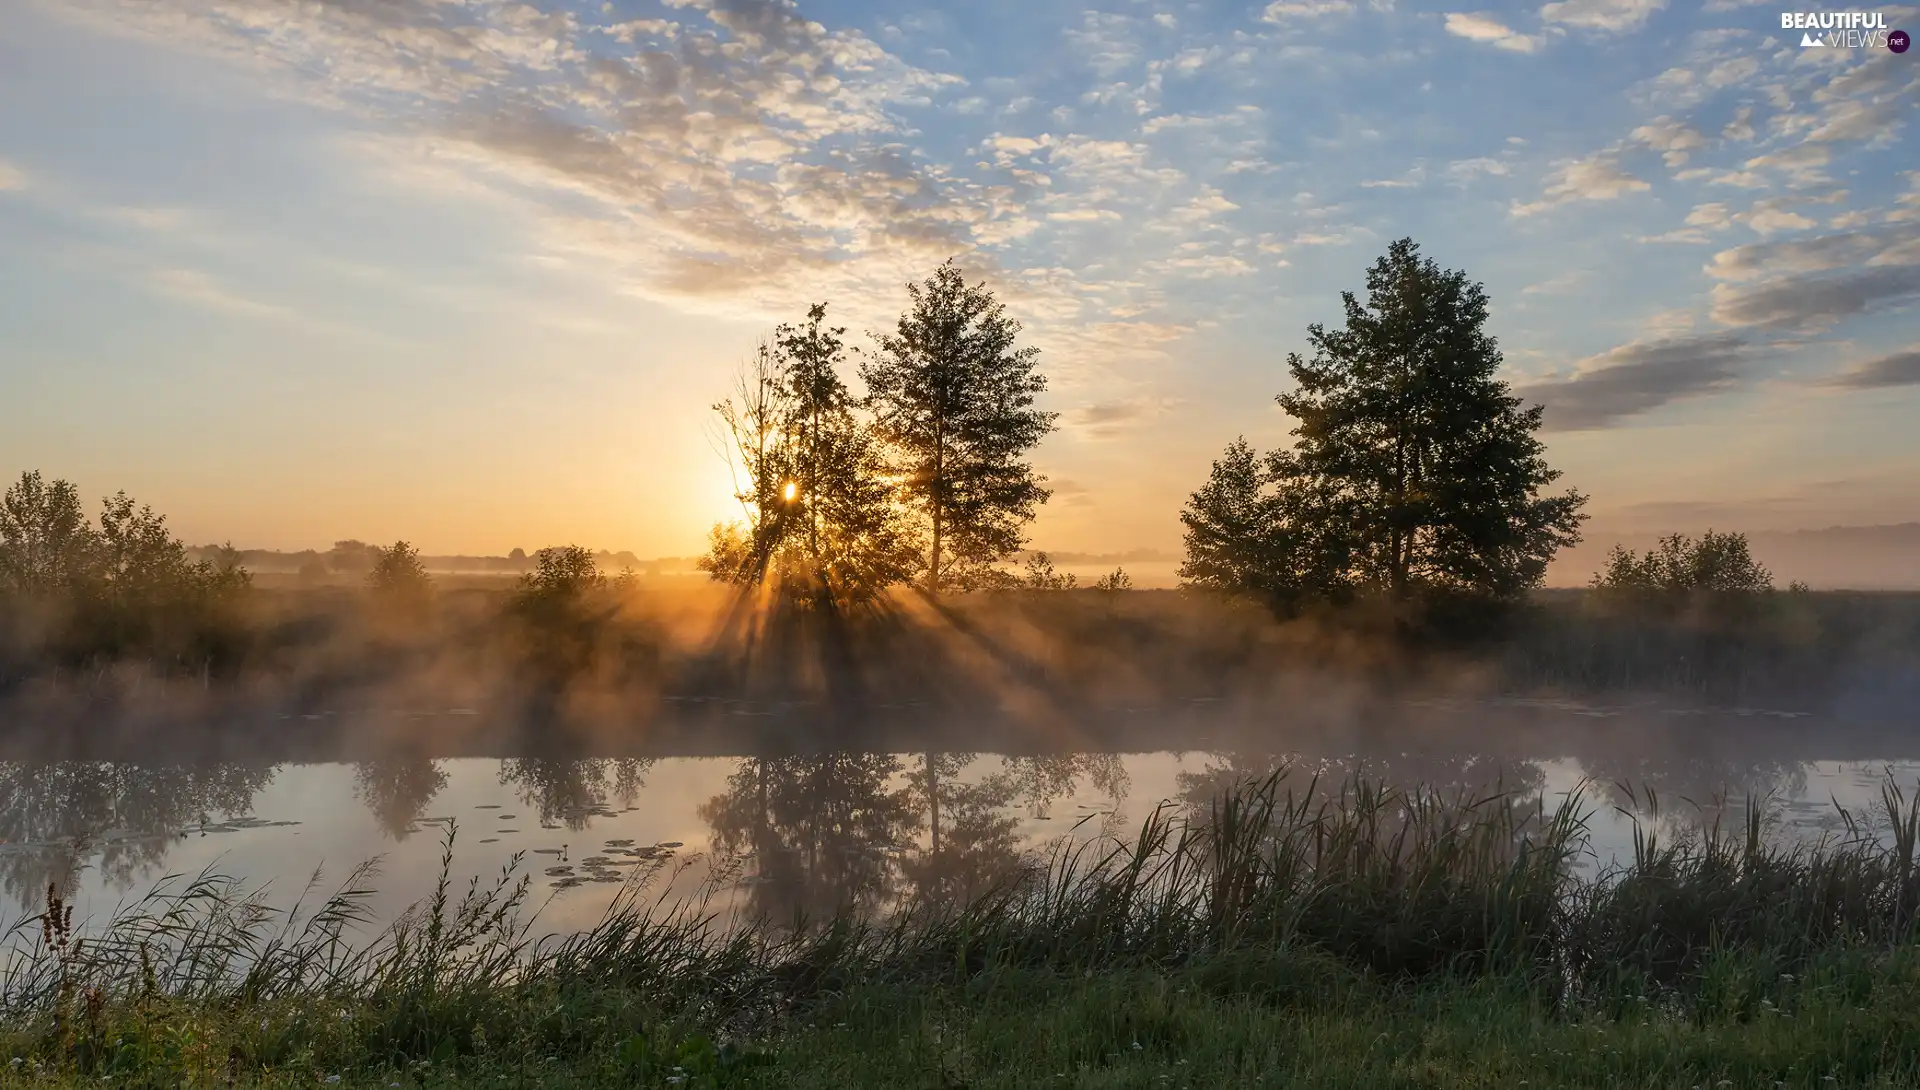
(1283, 893)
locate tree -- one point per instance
(1114, 581)
(855, 541)
(564, 573)
(820, 517)
(1414, 470)
(1679, 569)
(46, 542)
(1041, 576)
(954, 398)
(398, 581)
(1237, 541)
(352, 557)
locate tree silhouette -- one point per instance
(399, 582)
(125, 586)
(1413, 473)
(1237, 540)
(954, 397)
(398, 790)
(46, 542)
(1418, 461)
(821, 517)
(1680, 565)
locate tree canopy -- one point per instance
(1413, 470)
(953, 396)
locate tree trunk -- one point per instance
(938, 482)
(933, 801)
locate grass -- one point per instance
(1292, 934)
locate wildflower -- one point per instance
(1136, 1046)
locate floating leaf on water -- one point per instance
(507, 830)
(488, 806)
(618, 843)
(491, 840)
(595, 861)
(670, 844)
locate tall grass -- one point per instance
(1362, 881)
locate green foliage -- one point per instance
(399, 583)
(1236, 540)
(562, 574)
(46, 543)
(822, 521)
(1414, 473)
(1356, 936)
(122, 588)
(1680, 565)
(1041, 576)
(954, 398)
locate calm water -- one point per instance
(770, 835)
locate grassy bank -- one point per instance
(1354, 937)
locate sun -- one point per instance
(792, 490)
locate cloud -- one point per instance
(1814, 302)
(1638, 378)
(1675, 139)
(11, 177)
(1897, 369)
(1282, 10)
(193, 286)
(1798, 257)
(1484, 27)
(1613, 16)
(1465, 170)
(1104, 420)
(1772, 216)
(1597, 178)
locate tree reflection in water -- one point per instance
(55, 816)
(844, 830)
(398, 791)
(1685, 795)
(572, 792)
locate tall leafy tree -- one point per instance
(954, 396)
(47, 545)
(821, 516)
(849, 529)
(1236, 541)
(1413, 468)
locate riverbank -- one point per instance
(1291, 933)
(1267, 1019)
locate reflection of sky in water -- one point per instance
(848, 832)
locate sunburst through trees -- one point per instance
(926, 478)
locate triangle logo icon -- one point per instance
(1807, 40)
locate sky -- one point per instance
(472, 272)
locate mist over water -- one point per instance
(812, 830)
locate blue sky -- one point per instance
(470, 272)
